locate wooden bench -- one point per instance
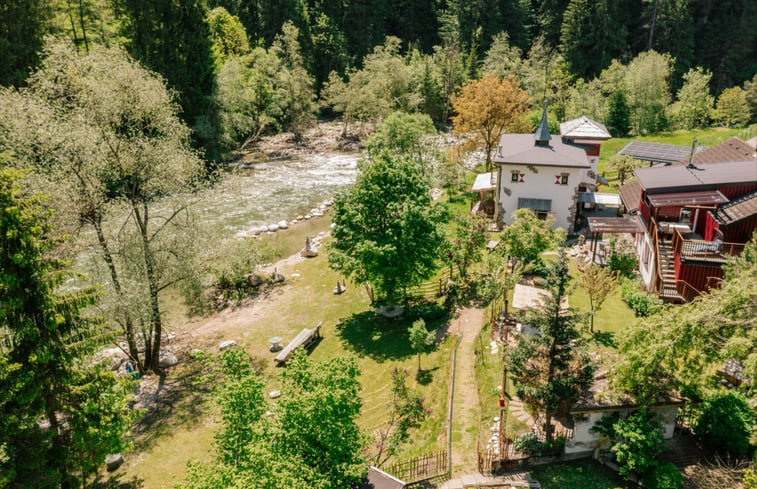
(305, 339)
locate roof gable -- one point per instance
(583, 127)
(520, 149)
(659, 179)
(732, 150)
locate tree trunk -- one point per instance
(156, 327)
(128, 322)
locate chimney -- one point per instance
(542, 136)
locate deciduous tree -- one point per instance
(694, 103)
(487, 108)
(421, 339)
(732, 108)
(598, 282)
(386, 231)
(528, 236)
(624, 165)
(104, 134)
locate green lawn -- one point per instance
(584, 474)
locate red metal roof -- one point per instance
(704, 197)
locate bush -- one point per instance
(664, 476)
(530, 444)
(725, 422)
(638, 441)
(622, 259)
(642, 303)
(428, 311)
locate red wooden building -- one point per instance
(696, 216)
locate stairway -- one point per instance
(668, 290)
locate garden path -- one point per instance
(466, 407)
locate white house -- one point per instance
(544, 173)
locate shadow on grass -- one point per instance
(113, 481)
(177, 402)
(380, 338)
(604, 338)
(425, 376)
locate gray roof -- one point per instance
(584, 128)
(737, 210)
(520, 149)
(708, 175)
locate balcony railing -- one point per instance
(704, 251)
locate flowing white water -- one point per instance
(273, 191)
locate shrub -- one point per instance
(530, 444)
(725, 422)
(642, 303)
(750, 479)
(527, 443)
(622, 258)
(639, 442)
(664, 476)
(428, 311)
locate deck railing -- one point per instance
(701, 250)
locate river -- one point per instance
(272, 191)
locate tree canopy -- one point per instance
(386, 230)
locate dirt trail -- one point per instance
(466, 408)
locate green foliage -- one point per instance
(386, 230)
(732, 108)
(750, 479)
(408, 412)
(103, 136)
(528, 236)
(750, 87)
(694, 103)
(421, 339)
(22, 28)
(550, 370)
(642, 302)
(47, 371)
(529, 443)
(637, 441)
(679, 347)
(593, 35)
(467, 242)
(405, 135)
(228, 35)
(174, 40)
(622, 258)
(619, 116)
(302, 444)
(598, 283)
(664, 476)
(494, 281)
(647, 81)
(725, 422)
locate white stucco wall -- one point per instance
(539, 183)
(645, 248)
(584, 440)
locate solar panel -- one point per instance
(656, 152)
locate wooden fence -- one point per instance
(432, 288)
(420, 468)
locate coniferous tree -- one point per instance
(619, 115)
(550, 370)
(22, 27)
(61, 414)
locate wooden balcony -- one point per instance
(699, 250)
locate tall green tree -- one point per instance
(550, 370)
(386, 230)
(732, 108)
(598, 283)
(671, 31)
(228, 35)
(104, 134)
(61, 414)
(593, 34)
(619, 115)
(421, 339)
(528, 236)
(173, 39)
(693, 103)
(405, 135)
(23, 24)
(647, 83)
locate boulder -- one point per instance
(274, 394)
(308, 216)
(282, 224)
(273, 228)
(114, 461)
(317, 213)
(167, 359)
(309, 252)
(253, 280)
(300, 218)
(227, 344)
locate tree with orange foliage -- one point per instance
(488, 107)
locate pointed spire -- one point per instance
(542, 135)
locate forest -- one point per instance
(239, 69)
